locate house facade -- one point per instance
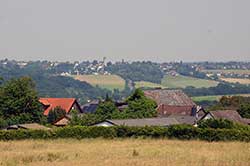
(173, 102)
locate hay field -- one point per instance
(121, 152)
(184, 81)
(236, 80)
(139, 84)
(215, 97)
(229, 71)
(103, 81)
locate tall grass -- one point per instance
(124, 152)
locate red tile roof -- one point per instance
(51, 103)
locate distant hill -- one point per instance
(50, 85)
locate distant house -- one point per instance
(67, 104)
(139, 122)
(28, 126)
(173, 102)
(231, 115)
(91, 106)
(64, 121)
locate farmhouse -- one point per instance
(67, 104)
(231, 115)
(173, 102)
(139, 122)
(91, 106)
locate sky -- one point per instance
(155, 30)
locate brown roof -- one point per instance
(227, 114)
(247, 121)
(169, 97)
(62, 122)
(31, 126)
(145, 122)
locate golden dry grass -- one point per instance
(122, 152)
(235, 80)
(104, 81)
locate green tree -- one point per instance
(55, 114)
(139, 106)
(19, 102)
(107, 109)
(244, 110)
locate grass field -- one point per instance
(184, 81)
(139, 84)
(104, 81)
(121, 152)
(235, 80)
(236, 71)
(213, 98)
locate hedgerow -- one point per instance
(183, 132)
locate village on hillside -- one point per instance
(172, 107)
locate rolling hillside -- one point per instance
(184, 81)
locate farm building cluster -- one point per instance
(173, 107)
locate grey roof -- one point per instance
(184, 119)
(145, 122)
(90, 107)
(227, 114)
(169, 97)
(33, 126)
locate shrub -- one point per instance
(183, 132)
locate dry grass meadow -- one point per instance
(235, 80)
(120, 152)
(104, 81)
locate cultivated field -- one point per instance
(228, 71)
(184, 81)
(120, 152)
(140, 84)
(103, 81)
(215, 97)
(236, 80)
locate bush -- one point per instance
(183, 132)
(217, 124)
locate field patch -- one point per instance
(121, 152)
(139, 84)
(230, 71)
(215, 97)
(184, 81)
(103, 81)
(236, 80)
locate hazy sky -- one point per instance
(157, 30)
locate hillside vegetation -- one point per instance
(110, 82)
(236, 80)
(215, 97)
(234, 71)
(146, 84)
(121, 152)
(185, 81)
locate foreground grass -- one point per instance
(184, 81)
(124, 152)
(103, 81)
